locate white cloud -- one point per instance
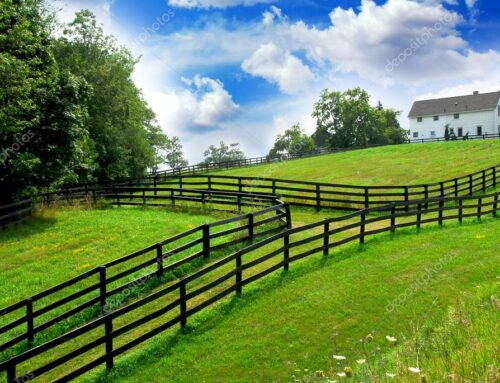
(280, 67)
(274, 13)
(470, 3)
(213, 3)
(68, 8)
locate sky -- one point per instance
(246, 70)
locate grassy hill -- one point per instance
(292, 324)
(388, 165)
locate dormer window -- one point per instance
(419, 119)
(436, 118)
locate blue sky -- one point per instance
(245, 70)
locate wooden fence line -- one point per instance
(193, 169)
(251, 226)
(16, 212)
(386, 220)
(336, 196)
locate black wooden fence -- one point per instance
(238, 270)
(199, 168)
(15, 212)
(335, 196)
(96, 286)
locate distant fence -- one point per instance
(335, 196)
(181, 300)
(15, 212)
(96, 286)
(200, 168)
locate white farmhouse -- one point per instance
(475, 114)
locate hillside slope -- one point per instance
(388, 165)
(287, 322)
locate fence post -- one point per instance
(155, 182)
(470, 184)
(479, 206)
(326, 238)
(286, 252)
(240, 185)
(108, 328)
(484, 180)
(318, 197)
(362, 228)
(495, 205)
(143, 198)
(393, 218)
(206, 241)
(11, 373)
(495, 174)
(209, 182)
(29, 321)
(273, 187)
(367, 198)
(102, 286)
(159, 259)
(441, 189)
(407, 198)
(456, 187)
(419, 214)
(460, 210)
(182, 296)
(238, 274)
(288, 216)
(250, 226)
(180, 184)
(426, 195)
(441, 204)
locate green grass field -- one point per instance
(388, 165)
(285, 326)
(58, 244)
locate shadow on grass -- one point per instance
(207, 320)
(31, 225)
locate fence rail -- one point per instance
(15, 212)
(96, 286)
(193, 169)
(237, 270)
(335, 196)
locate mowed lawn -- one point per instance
(389, 165)
(292, 323)
(58, 244)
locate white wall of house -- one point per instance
(488, 120)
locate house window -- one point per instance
(498, 110)
(460, 132)
(479, 130)
(436, 118)
(419, 119)
(456, 116)
(433, 133)
(415, 134)
(452, 131)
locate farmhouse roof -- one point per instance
(450, 105)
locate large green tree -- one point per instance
(346, 119)
(293, 141)
(120, 123)
(43, 108)
(223, 153)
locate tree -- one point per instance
(293, 141)
(223, 153)
(43, 108)
(346, 119)
(174, 155)
(121, 124)
(447, 132)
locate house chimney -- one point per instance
(475, 93)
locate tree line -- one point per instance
(70, 113)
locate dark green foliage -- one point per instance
(447, 132)
(69, 111)
(346, 119)
(43, 142)
(293, 141)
